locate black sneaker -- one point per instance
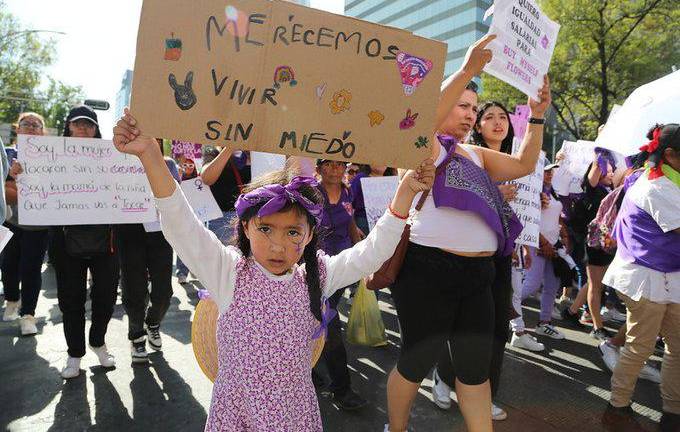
(620, 420)
(154, 334)
(670, 422)
(349, 401)
(600, 334)
(139, 354)
(571, 318)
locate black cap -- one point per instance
(82, 112)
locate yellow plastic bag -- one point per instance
(365, 325)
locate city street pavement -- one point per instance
(561, 389)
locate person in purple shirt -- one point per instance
(646, 273)
(338, 232)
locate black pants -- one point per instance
(502, 298)
(442, 297)
(22, 264)
(334, 353)
(72, 293)
(143, 257)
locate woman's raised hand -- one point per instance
(127, 138)
(539, 107)
(478, 55)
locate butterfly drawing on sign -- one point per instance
(184, 94)
(409, 121)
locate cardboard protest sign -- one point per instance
(527, 203)
(577, 157)
(74, 181)
(378, 193)
(524, 44)
(277, 77)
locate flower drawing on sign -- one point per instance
(184, 94)
(413, 71)
(376, 117)
(421, 142)
(284, 74)
(173, 48)
(341, 101)
(545, 42)
(409, 121)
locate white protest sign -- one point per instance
(76, 181)
(577, 157)
(524, 44)
(527, 203)
(378, 193)
(262, 163)
(5, 236)
(201, 199)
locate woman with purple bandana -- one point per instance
(646, 273)
(443, 292)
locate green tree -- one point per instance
(605, 49)
(24, 57)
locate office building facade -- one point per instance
(123, 95)
(456, 22)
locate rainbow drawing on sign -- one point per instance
(284, 74)
(413, 71)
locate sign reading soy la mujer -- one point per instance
(74, 181)
(281, 78)
(524, 44)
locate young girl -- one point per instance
(270, 287)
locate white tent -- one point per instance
(656, 102)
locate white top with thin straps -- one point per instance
(452, 229)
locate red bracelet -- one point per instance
(395, 214)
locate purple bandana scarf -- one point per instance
(465, 186)
(276, 196)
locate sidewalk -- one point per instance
(561, 389)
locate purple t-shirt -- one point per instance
(358, 195)
(335, 223)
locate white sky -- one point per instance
(99, 44)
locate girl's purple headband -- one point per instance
(276, 196)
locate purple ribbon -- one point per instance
(203, 294)
(276, 196)
(327, 316)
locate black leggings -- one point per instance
(442, 297)
(502, 298)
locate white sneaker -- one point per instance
(612, 314)
(441, 392)
(182, 279)
(27, 324)
(556, 314)
(138, 349)
(527, 342)
(72, 368)
(153, 332)
(610, 354)
(498, 413)
(11, 311)
(106, 359)
(549, 330)
(650, 373)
